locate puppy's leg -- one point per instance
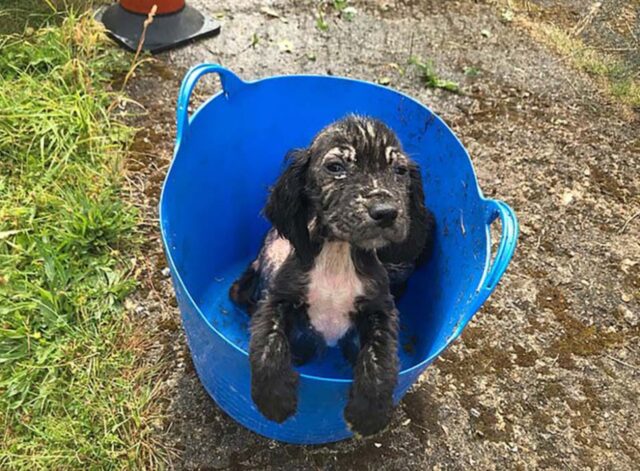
(376, 371)
(274, 382)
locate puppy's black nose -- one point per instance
(383, 213)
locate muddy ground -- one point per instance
(547, 375)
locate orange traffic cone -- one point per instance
(174, 24)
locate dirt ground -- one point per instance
(547, 375)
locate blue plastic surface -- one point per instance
(226, 157)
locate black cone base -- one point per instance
(166, 31)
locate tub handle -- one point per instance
(230, 84)
(506, 247)
(496, 267)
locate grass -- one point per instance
(73, 394)
(340, 8)
(431, 78)
(18, 15)
(611, 74)
(616, 77)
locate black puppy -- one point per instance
(350, 226)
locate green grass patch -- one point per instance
(18, 15)
(430, 77)
(73, 394)
(615, 77)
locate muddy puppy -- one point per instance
(349, 227)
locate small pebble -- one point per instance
(377, 445)
(166, 272)
(631, 318)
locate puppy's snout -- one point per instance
(383, 213)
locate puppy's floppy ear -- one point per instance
(419, 242)
(422, 229)
(288, 206)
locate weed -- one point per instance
(345, 11)
(340, 5)
(348, 13)
(431, 78)
(471, 71)
(341, 9)
(507, 15)
(73, 394)
(321, 22)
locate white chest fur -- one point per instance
(333, 288)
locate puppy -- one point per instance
(349, 227)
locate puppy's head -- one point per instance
(354, 182)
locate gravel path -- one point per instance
(547, 375)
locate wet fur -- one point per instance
(326, 273)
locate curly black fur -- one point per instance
(330, 194)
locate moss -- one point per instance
(577, 338)
(486, 422)
(525, 358)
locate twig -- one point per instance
(621, 362)
(539, 239)
(134, 62)
(631, 32)
(145, 25)
(410, 46)
(148, 224)
(613, 49)
(584, 22)
(627, 222)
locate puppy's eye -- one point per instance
(335, 167)
(400, 170)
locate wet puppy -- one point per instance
(349, 227)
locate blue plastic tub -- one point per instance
(226, 157)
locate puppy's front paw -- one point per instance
(366, 415)
(276, 397)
